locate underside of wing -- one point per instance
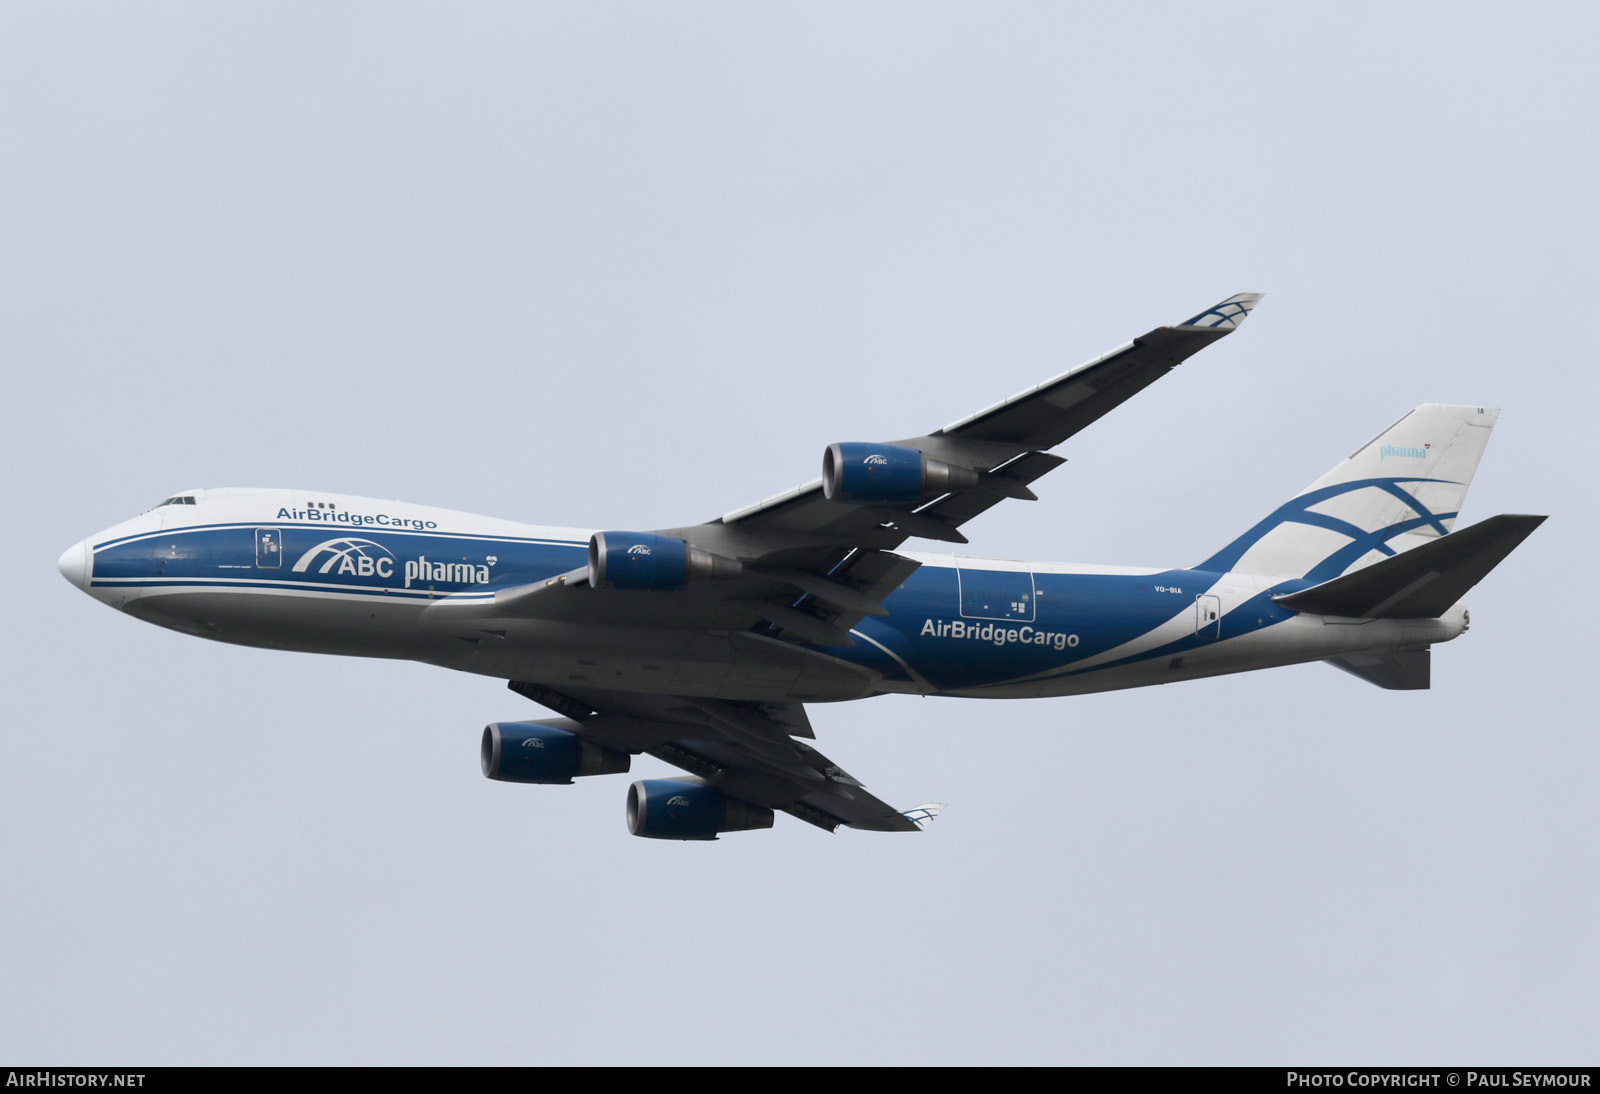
(805, 567)
(810, 563)
(872, 497)
(756, 754)
(696, 644)
(996, 452)
(1044, 416)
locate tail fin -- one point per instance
(1401, 489)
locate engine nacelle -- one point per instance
(538, 752)
(854, 471)
(641, 560)
(688, 809)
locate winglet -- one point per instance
(1227, 315)
(923, 815)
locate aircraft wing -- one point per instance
(1005, 443)
(753, 752)
(839, 552)
(799, 570)
(810, 563)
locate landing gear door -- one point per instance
(269, 548)
(1208, 616)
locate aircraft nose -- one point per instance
(75, 564)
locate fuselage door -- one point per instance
(1208, 616)
(269, 548)
(997, 594)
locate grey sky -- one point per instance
(633, 266)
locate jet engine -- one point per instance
(541, 752)
(688, 809)
(642, 560)
(853, 471)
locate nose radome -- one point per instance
(74, 565)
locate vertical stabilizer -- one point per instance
(1401, 489)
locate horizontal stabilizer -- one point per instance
(1396, 670)
(1423, 582)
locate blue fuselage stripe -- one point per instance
(954, 628)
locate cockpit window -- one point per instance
(182, 499)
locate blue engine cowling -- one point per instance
(688, 809)
(542, 752)
(854, 471)
(643, 560)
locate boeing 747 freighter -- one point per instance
(702, 645)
